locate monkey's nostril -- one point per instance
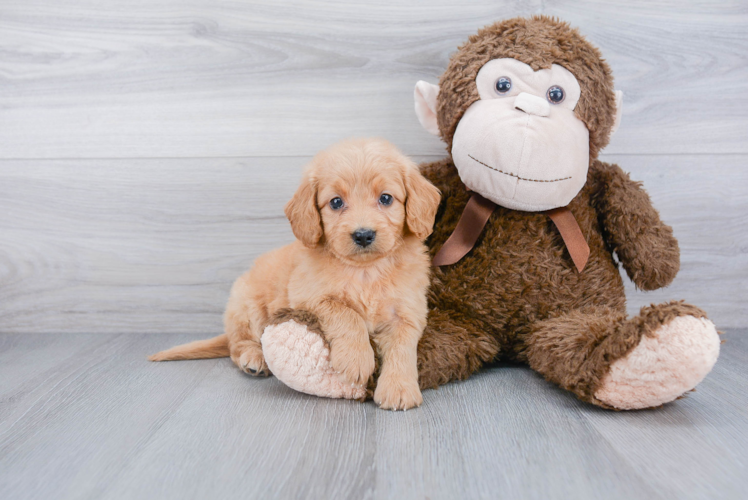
(363, 237)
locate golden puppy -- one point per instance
(361, 215)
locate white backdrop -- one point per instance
(147, 147)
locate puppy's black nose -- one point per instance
(363, 237)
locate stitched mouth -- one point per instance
(517, 176)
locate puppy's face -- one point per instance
(360, 199)
(362, 206)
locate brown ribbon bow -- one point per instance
(474, 219)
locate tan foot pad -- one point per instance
(301, 360)
(662, 367)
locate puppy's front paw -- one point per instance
(354, 363)
(248, 356)
(397, 393)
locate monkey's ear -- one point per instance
(425, 95)
(619, 107)
(303, 215)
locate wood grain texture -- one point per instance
(174, 78)
(104, 423)
(702, 432)
(139, 246)
(705, 199)
(134, 246)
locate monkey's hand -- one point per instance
(644, 244)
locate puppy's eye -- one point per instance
(336, 203)
(386, 199)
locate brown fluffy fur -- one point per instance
(517, 295)
(350, 294)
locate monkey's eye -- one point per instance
(336, 203)
(503, 85)
(386, 199)
(556, 94)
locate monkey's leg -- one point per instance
(298, 354)
(452, 350)
(642, 362)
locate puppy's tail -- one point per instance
(217, 347)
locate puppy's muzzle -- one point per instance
(363, 237)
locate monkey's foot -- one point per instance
(665, 365)
(300, 358)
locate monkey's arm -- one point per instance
(632, 227)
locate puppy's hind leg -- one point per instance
(247, 355)
(244, 340)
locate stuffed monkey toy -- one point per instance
(530, 234)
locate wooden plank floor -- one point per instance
(85, 416)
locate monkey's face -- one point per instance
(520, 145)
(523, 138)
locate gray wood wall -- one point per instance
(147, 146)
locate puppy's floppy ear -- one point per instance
(302, 213)
(421, 204)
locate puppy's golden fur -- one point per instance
(356, 291)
